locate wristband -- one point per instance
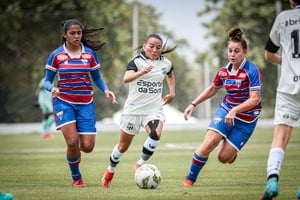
(193, 104)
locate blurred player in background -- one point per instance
(235, 118)
(77, 64)
(44, 99)
(144, 106)
(285, 34)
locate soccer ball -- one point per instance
(147, 176)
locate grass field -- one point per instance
(36, 169)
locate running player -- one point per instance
(144, 105)
(75, 61)
(285, 34)
(44, 98)
(236, 117)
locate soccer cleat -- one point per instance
(6, 196)
(136, 166)
(47, 136)
(187, 183)
(106, 179)
(298, 194)
(271, 189)
(78, 183)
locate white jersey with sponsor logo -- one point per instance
(285, 33)
(145, 92)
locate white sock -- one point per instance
(276, 156)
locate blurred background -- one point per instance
(31, 29)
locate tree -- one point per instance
(30, 30)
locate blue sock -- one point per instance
(74, 167)
(196, 166)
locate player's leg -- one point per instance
(129, 126)
(115, 157)
(154, 130)
(200, 156)
(286, 116)
(86, 127)
(47, 123)
(216, 132)
(281, 137)
(235, 141)
(73, 153)
(66, 121)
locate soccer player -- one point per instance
(144, 106)
(76, 62)
(285, 34)
(44, 98)
(235, 118)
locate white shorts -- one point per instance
(287, 109)
(132, 124)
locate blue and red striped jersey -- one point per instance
(74, 81)
(238, 85)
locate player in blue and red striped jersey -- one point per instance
(235, 118)
(76, 63)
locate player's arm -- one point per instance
(101, 84)
(98, 80)
(49, 77)
(206, 94)
(271, 52)
(171, 84)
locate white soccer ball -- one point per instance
(147, 176)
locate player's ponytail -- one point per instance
(87, 34)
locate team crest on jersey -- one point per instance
(238, 83)
(164, 71)
(84, 61)
(86, 56)
(217, 120)
(60, 115)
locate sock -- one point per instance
(276, 156)
(196, 166)
(115, 158)
(74, 167)
(148, 149)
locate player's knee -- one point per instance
(153, 126)
(87, 148)
(224, 158)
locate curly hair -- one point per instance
(87, 34)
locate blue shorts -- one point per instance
(82, 114)
(236, 135)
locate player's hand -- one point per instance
(168, 98)
(229, 118)
(55, 92)
(146, 69)
(188, 111)
(109, 94)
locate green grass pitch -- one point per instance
(35, 169)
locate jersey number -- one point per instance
(295, 41)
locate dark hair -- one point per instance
(236, 35)
(87, 34)
(165, 49)
(297, 2)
